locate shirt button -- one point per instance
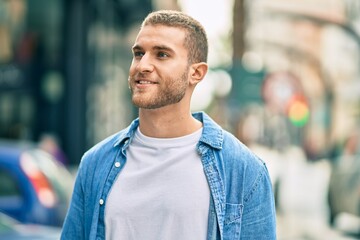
(117, 164)
(101, 201)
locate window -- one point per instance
(8, 184)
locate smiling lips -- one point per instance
(144, 82)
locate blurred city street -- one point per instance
(284, 78)
(303, 209)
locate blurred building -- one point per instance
(296, 102)
(307, 50)
(63, 69)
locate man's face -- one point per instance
(158, 73)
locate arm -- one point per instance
(259, 216)
(74, 224)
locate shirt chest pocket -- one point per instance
(232, 221)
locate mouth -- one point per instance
(144, 82)
(140, 82)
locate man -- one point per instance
(171, 174)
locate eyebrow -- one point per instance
(163, 48)
(158, 48)
(136, 47)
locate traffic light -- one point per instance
(298, 110)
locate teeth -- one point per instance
(145, 82)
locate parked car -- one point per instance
(34, 187)
(14, 230)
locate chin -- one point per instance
(142, 104)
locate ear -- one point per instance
(197, 72)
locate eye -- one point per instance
(163, 55)
(138, 54)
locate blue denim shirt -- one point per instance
(242, 201)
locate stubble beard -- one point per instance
(173, 91)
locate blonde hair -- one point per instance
(195, 41)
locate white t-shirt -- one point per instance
(161, 193)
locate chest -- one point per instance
(160, 180)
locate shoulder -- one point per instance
(113, 141)
(102, 146)
(103, 151)
(241, 161)
(231, 151)
(243, 168)
(96, 162)
(239, 153)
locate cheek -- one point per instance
(132, 67)
(131, 70)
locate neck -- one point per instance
(167, 123)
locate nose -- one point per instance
(145, 64)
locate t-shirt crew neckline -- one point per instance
(186, 140)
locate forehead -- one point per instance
(153, 35)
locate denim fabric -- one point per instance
(242, 201)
